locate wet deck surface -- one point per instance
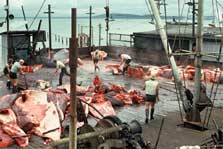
(172, 135)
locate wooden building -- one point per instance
(179, 37)
(20, 45)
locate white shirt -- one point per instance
(15, 67)
(60, 65)
(151, 86)
(125, 56)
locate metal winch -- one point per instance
(110, 132)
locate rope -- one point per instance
(213, 84)
(37, 13)
(150, 13)
(22, 42)
(209, 116)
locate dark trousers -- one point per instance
(127, 64)
(63, 71)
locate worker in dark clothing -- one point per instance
(151, 87)
(125, 62)
(6, 71)
(16, 67)
(61, 65)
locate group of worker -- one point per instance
(151, 86)
(11, 71)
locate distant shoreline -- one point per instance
(114, 16)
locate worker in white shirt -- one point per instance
(125, 60)
(61, 65)
(151, 88)
(16, 68)
(95, 58)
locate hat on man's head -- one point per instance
(21, 61)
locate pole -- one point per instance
(49, 19)
(107, 14)
(198, 62)
(7, 28)
(99, 37)
(161, 29)
(81, 29)
(193, 19)
(92, 35)
(73, 74)
(90, 15)
(107, 37)
(213, 7)
(158, 138)
(24, 16)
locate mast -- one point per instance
(193, 19)
(198, 62)
(7, 30)
(161, 29)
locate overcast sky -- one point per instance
(62, 7)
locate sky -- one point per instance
(63, 7)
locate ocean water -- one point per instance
(61, 28)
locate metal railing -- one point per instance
(120, 39)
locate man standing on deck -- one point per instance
(60, 65)
(6, 71)
(95, 58)
(151, 87)
(125, 60)
(16, 67)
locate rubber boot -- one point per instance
(147, 115)
(124, 70)
(8, 85)
(14, 89)
(98, 68)
(151, 114)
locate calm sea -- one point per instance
(61, 28)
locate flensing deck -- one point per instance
(172, 136)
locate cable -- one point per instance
(150, 13)
(213, 84)
(22, 42)
(37, 13)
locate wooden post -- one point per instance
(49, 19)
(193, 19)
(9, 51)
(90, 31)
(73, 74)
(198, 63)
(99, 37)
(109, 39)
